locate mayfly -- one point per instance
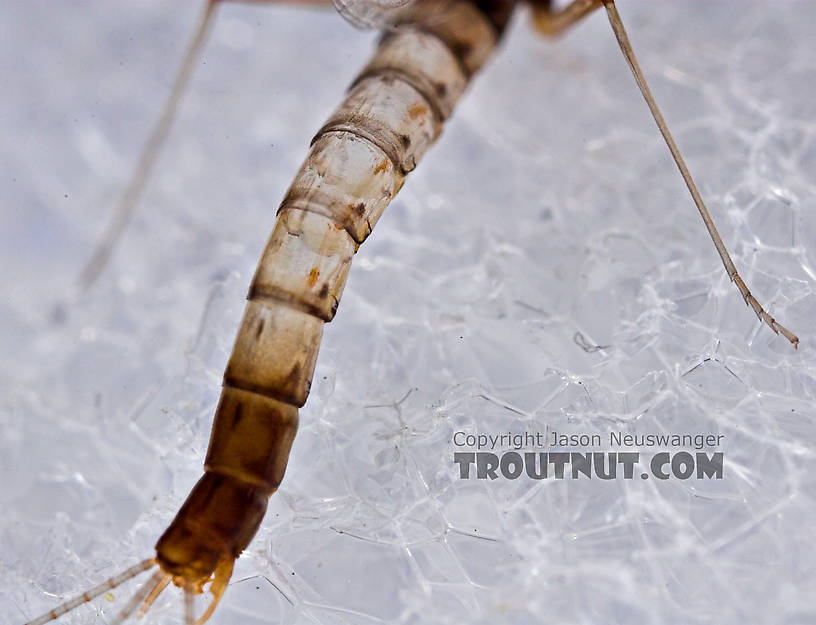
(357, 163)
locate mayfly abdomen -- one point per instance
(357, 163)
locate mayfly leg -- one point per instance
(123, 212)
(554, 22)
(129, 200)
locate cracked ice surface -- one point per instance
(550, 207)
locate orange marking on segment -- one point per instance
(381, 166)
(313, 274)
(416, 110)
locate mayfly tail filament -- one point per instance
(110, 584)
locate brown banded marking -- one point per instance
(260, 432)
(280, 362)
(401, 98)
(441, 78)
(389, 113)
(341, 174)
(318, 250)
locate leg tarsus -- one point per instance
(761, 314)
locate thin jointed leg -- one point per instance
(130, 198)
(750, 300)
(158, 135)
(552, 22)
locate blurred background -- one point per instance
(543, 269)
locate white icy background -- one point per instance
(549, 206)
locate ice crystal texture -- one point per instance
(549, 220)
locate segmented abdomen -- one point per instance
(357, 163)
